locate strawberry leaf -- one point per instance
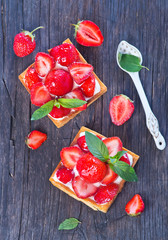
(96, 147)
(43, 110)
(71, 103)
(68, 224)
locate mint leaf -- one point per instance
(124, 170)
(96, 147)
(68, 224)
(43, 110)
(71, 103)
(118, 155)
(56, 104)
(130, 63)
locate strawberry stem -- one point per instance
(36, 29)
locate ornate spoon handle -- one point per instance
(151, 120)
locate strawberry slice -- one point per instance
(113, 144)
(77, 94)
(106, 193)
(87, 33)
(121, 109)
(64, 174)
(59, 112)
(80, 71)
(39, 94)
(83, 189)
(125, 158)
(110, 176)
(88, 87)
(82, 144)
(35, 139)
(44, 63)
(135, 206)
(70, 156)
(31, 77)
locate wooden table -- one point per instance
(30, 207)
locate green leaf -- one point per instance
(56, 104)
(43, 110)
(130, 63)
(118, 155)
(96, 146)
(68, 224)
(124, 170)
(71, 103)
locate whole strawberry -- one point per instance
(24, 43)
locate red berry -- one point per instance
(87, 33)
(31, 77)
(39, 94)
(77, 94)
(80, 71)
(70, 156)
(35, 139)
(83, 189)
(59, 82)
(121, 109)
(64, 174)
(135, 206)
(125, 158)
(24, 43)
(113, 144)
(59, 112)
(110, 176)
(106, 193)
(44, 63)
(91, 169)
(82, 144)
(88, 87)
(65, 54)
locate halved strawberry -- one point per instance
(59, 112)
(44, 63)
(83, 189)
(125, 158)
(82, 144)
(113, 144)
(88, 87)
(135, 206)
(121, 109)
(31, 77)
(64, 174)
(35, 139)
(106, 193)
(88, 34)
(70, 156)
(77, 93)
(39, 94)
(80, 71)
(110, 176)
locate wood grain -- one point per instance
(30, 207)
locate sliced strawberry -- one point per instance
(44, 63)
(59, 112)
(83, 189)
(110, 176)
(80, 71)
(65, 54)
(125, 158)
(101, 138)
(135, 206)
(39, 94)
(113, 144)
(82, 144)
(121, 109)
(88, 34)
(31, 77)
(64, 174)
(35, 139)
(106, 193)
(77, 94)
(59, 82)
(70, 156)
(88, 87)
(91, 169)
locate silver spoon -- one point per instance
(151, 120)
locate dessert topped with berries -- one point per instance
(61, 83)
(94, 168)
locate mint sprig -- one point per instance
(47, 107)
(100, 151)
(68, 224)
(130, 63)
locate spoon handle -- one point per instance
(151, 120)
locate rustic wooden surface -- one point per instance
(30, 207)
